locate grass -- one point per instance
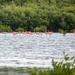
(65, 67)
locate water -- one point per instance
(26, 50)
(12, 73)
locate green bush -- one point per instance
(20, 29)
(40, 29)
(64, 67)
(72, 30)
(5, 28)
(60, 31)
(43, 28)
(30, 14)
(37, 29)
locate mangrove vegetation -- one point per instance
(37, 15)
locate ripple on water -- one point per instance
(34, 50)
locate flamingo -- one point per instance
(49, 32)
(4, 32)
(38, 33)
(27, 32)
(74, 32)
(15, 33)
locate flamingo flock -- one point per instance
(29, 32)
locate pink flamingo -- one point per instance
(38, 33)
(49, 32)
(15, 33)
(4, 32)
(74, 32)
(27, 32)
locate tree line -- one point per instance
(37, 15)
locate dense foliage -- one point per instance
(37, 15)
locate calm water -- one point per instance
(12, 73)
(34, 50)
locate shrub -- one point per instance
(64, 67)
(60, 31)
(37, 29)
(5, 28)
(41, 29)
(72, 30)
(29, 15)
(20, 29)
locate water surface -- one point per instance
(36, 50)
